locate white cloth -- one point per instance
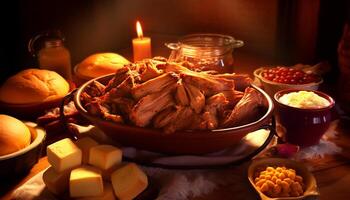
(174, 184)
(185, 184)
(247, 145)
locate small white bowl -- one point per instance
(308, 178)
(272, 87)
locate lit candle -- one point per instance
(141, 45)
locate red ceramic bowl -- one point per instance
(304, 127)
(180, 142)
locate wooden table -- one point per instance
(332, 174)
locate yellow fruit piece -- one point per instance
(288, 180)
(270, 169)
(281, 176)
(274, 179)
(279, 169)
(260, 182)
(264, 187)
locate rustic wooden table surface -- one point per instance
(332, 172)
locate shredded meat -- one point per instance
(196, 98)
(209, 84)
(181, 94)
(246, 110)
(174, 96)
(147, 107)
(154, 85)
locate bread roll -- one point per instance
(33, 86)
(14, 135)
(100, 64)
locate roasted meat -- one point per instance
(96, 107)
(232, 96)
(150, 71)
(174, 96)
(196, 97)
(176, 68)
(113, 117)
(214, 105)
(165, 117)
(181, 96)
(148, 106)
(154, 85)
(95, 89)
(120, 75)
(123, 89)
(246, 110)
(123, 105)
(209, 84)
(182, 120)
(242, 81)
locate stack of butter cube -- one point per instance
(91, 171)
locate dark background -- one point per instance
(108, 25)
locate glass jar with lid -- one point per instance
(206, 51)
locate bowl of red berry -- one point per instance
(274, 79)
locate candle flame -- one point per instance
(139, 30)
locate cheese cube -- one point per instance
(85, 181)
(55, 182)
(108, 193)
(85, 144)
(128, 181)
(105, 156)
(64, 155)
(106, 174)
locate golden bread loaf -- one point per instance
(33, 86)
(100, 64)
(14, 135)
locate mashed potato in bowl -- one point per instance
(304, 99)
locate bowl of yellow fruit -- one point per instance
(281, 179)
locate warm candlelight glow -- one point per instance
(139, 30)
(141, 45)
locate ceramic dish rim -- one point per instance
(257, 73)
(41, 135)
(266, 115)
(324, 95)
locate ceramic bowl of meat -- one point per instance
(167, 114)
(274, 79)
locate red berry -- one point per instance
(281, 74)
